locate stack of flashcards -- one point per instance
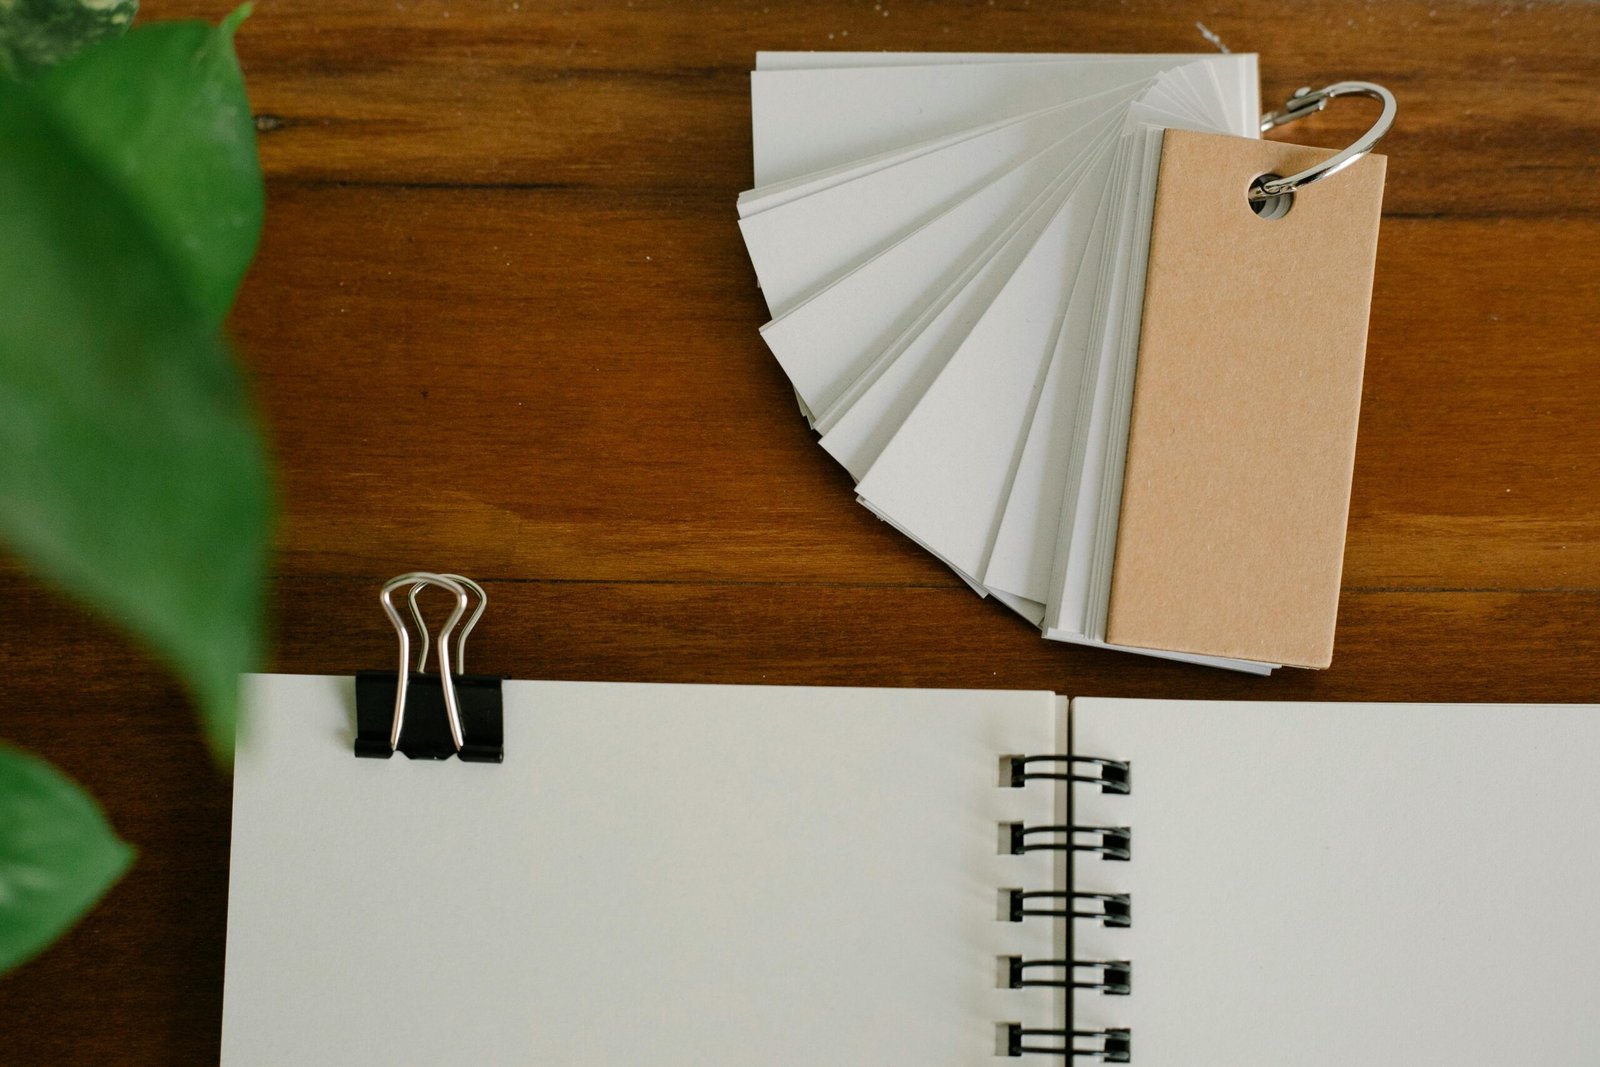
(968, 257)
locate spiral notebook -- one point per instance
(686, 875)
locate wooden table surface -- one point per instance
(502, 323)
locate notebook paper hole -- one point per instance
(1271, 207)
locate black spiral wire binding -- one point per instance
(1115, 842)
(1113, 776)
(1115, 910)
(1114, 1045)
(1115, 976)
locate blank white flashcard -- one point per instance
(947, 470)
(1235, 73)
(799, 246)
(1070, 607)
(808, 120)
(827, 341)
(1019, 564)
(869, 411)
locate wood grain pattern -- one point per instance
(501, 321)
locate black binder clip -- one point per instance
(430, 716)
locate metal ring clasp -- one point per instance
(1306, 101)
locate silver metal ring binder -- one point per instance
(1113, 910)
(1306, 101)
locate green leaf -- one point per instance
(162, 111)
(131, 472)
(58, 855)
(35, 34)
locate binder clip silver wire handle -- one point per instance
(452, 583)
(461, 638)
(1307, 101)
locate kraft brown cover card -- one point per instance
(1246, 399)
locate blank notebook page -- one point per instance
(1349, 883)
(671, 875)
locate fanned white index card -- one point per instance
(829, 341)
(959, 442)
(953, 250)
(1235, 74)
(859, 424)
(801, 245)
(809, 120)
